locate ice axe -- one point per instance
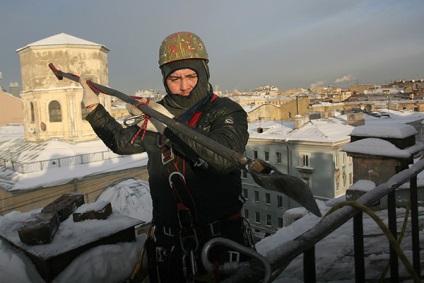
(264, 174)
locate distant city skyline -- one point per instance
(287, 44)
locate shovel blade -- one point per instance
(268, 177)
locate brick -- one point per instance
(39, 228)
(65, 205)
(98, 210)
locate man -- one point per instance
(196, 193)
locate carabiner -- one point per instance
(134, 120)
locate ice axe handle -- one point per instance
(97, 88)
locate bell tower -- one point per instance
(52, 107)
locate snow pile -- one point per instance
(130, 197)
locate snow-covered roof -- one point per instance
(13, 144)
(320, 130)
(397, 131)
(60, 39)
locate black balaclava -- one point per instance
(177, 104)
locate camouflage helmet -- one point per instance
(181, 46)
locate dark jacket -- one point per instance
(216, 191)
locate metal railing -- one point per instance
(35, 166)
(305, 244)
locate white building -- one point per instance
(311, 151)
(52, 108)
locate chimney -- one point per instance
(299, 121)
(14, 89)
(355, 119)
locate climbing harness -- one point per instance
(189, 234)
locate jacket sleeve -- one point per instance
(113, 134)
(226, 124)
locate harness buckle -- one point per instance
(234, 256)
(212, 229)
(167, 231)
(167, 155)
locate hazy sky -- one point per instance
(283, 43)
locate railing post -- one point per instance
(358, 245)
(309, 272)
(75, 185)
(413, 197)
(391, 210)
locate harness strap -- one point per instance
(210, 230)
(146, 120)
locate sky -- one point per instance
(283, 43)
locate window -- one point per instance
(279, 201)
(344, 179)
(280, 222)
(31, 109)
(256, 196)
(268, 220)
(305, 160)
(244, 174)
(336, 160)
(245, 193)
(267, 198)
(246, 213)
(266, 156)
(255, 154)
(257, 217)
(278, 157)
(55, 113)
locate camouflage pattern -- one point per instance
(181, 46)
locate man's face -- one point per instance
(182, 81)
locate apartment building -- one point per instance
(308, 149)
